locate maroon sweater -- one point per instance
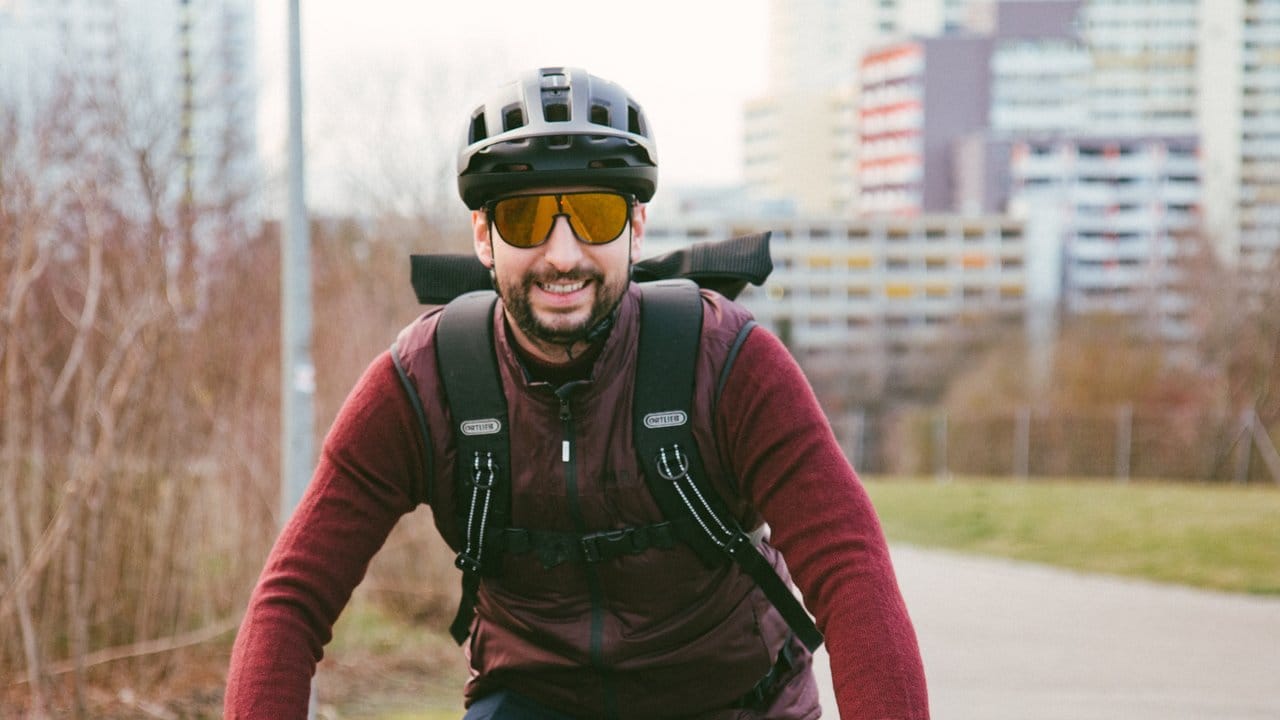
(768, 422)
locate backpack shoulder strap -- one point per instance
(670, 334)
(424, 490)
(473, 389)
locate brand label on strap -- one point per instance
(487, 426)
(670, 418)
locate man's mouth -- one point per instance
(562, 288)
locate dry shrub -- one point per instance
(363, 298)
(139, 402)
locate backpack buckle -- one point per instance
(600, 545)
(467, 563)
(735, 543)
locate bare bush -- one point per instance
(127, 422)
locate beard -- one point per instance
(556, 328)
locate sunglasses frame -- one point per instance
(489, 207)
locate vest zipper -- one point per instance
(568, 456)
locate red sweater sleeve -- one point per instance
(784, 453)
(361, 487)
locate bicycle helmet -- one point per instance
(555, 127)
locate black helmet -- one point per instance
(557, 126)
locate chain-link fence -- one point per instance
(1121, 441)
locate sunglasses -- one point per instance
(525, 221)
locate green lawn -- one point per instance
(1219, 537)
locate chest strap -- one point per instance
(556, 548)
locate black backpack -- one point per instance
(670, 328)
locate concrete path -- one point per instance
(1004, 640)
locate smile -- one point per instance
(563, 288)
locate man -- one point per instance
(556, 170)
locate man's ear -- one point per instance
(481, 238)
(639, 216)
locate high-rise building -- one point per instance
(1143, 79)
(1239, 126)
(799, 143)
(919, 97)
(1039, 66)
(1123, 210)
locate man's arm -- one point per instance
(360, 489)
(784, 454)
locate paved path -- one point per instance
(1004, 640)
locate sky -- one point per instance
(388, 86)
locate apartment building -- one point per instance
(886, 303)
(800, 137)
(1040, 66)
(1123, 210)
(1239, 125)
(1144, 54)
(919, 97)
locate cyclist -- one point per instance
(556, 169)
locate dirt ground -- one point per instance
(352, 684)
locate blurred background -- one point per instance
(1032, 241)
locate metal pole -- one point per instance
(1022, 443)
(941, 471)
(1124, 441)
(298, 389)
(1244, 446)
(298, 375)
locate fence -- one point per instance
(1122, 442)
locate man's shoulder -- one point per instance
(414, 348)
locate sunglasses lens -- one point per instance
(596, 218)
(526, 221)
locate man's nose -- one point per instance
(562, 250)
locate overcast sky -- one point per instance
(389, 85)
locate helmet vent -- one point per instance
(635, 122)
(478, 130)
(512, 118)
(600, 114)
(556, 112)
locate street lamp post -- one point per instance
(298, 376)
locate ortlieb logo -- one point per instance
(670, 418)
(488, 426)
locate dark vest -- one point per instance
(657, 634)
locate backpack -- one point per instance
(670, 328)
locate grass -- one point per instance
(1216, 537)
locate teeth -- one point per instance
(563, 288)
